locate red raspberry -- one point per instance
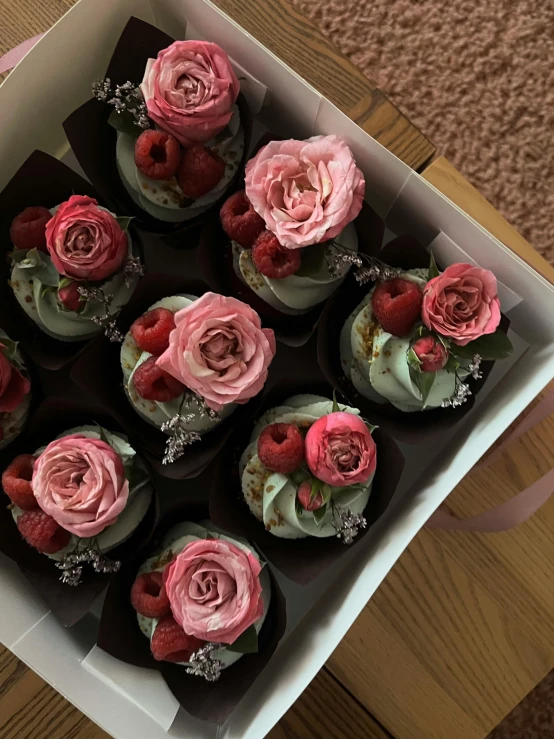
(240, 221)
(157, 154)
(281, 447)
(170, 643)
(200, 171)
(154, 383)
(28, 229)
(148, 596)
(397, 305)
(42, 532)
(151, 331)
(16, 481)
(272, 259)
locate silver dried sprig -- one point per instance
(474, 367)
(347, 524)
(179, 436)
(204, 664)
(132, 269)
(204, 410)
(72, 564)
(459, 396)
(109, 320)
(368, 269)
(125, 98)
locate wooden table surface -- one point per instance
(461, 629)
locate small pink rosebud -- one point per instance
(69, 297)
(304, 495)
(431, 353)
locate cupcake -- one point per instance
(202, 599)
(414, 340)
(15, 391)
(78, 498)
(73, 267)
(308, 469)
(293, 217)
(189, 361)
(180, 138)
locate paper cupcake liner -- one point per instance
(68, 603)
(101, 360)
(93, 140)
(120, 635)
(216, 263)
(301, 560)
(41, 180)
(414, 428)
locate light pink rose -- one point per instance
(13, 386)
(81, 483)
(84, 241)
(461, 303)
(189, 90)
(431, 353)
(219, 350)
(340, 450)
(214, 590)
(306, 191)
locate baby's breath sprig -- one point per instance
(109, 320)
(72, 564)
(125, 98)
(461, 389)
(347, 524)
(179, 436)
(132, 269)
(203, 408)
(368, 269)
(204, 664)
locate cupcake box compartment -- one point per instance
(55, 78)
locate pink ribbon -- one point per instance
(519, 508)
(14, 56)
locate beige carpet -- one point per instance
(477, 77)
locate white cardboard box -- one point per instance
(55, 78)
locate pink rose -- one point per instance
(214, 590)
(305, 499)
(189, 90)
(69, 297)
(461, 303)
(306, 191)
(340, 450)
(431, 353)
(219, 350)
(84, 241)
(13, 386)
(81, 483)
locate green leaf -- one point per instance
(420, 330)
(64, 282)
(298, 477)
(490, 346)
(124, 123)
(102, 433)
(452, 364)
(247, 643)
(124, 221)
(320, 514)
(326, 493)
(39, 266)
(424, 381)
(316, 487)
(47, 289)
(433, 269)
(335, 408)
(9, 348)
(413, 360)
(136, 475)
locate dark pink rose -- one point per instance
(340, 450)
(13, 386)
(305, 499)
(189, 90)
(84, 241)
(462, 303)
(219, 350)
(69, 297)
(431, 353)
(81, 483)
(214, 590)
(306, 191)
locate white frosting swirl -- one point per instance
(376, 362)
(12, 423)
(153, 411)
(140, 495)
(271, 496)
(161, 198)
(297, 293)
(174, 543)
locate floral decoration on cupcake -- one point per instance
(294, 216)
(419, 334)
(73, 268)
(202, 600)
(189, 361)
(79, 497)
(180, 138)
(309, 468)
(15, 391)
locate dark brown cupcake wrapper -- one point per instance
(41, 180)
(98, 370)
(120, 635)
(93, 140)
(68, 603)
(301, 560)
(407, 253)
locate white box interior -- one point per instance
(55, 78)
